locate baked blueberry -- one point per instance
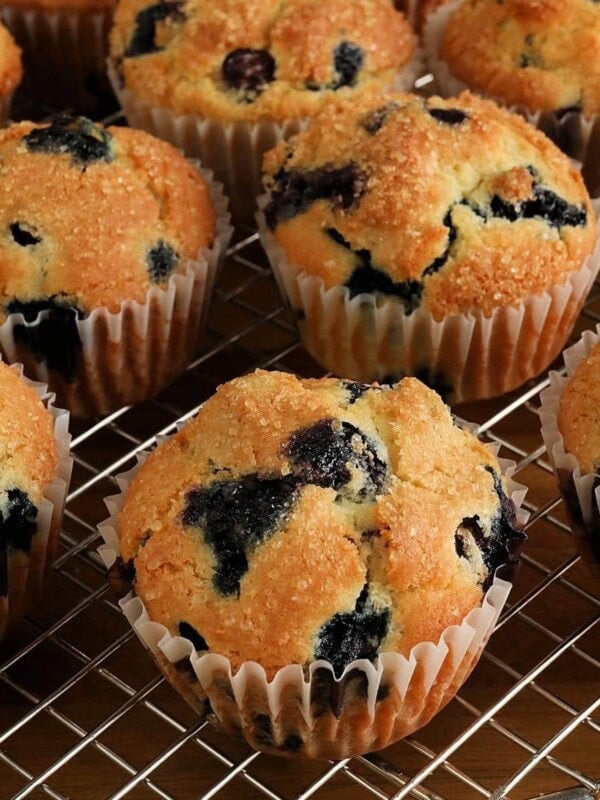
(325, 454)
(189, 632)
(143, 38)
(162, 260)
(249, 70)
(351, 635)
(78, 137)
(235, 516)
(374, 120)
(366, 279)
(355, 390)
(449, 116)
(294, 191)
(545, 204)
(23, 234)
(347, 60)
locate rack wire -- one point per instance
(84, 713)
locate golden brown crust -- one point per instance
(181, 68)
(399, 544)
(470, 203)
(536, 53)
(11, 70)
(96, 220)
(27, 446)
(579, 413)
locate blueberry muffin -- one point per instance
(11, 70)
(91, 218)
(570, 429)
(526, 53)
(579, 415)
(65, 44)
(536, 58)
(189, 70)
(443, 207)
(29, 456)
(340, 522)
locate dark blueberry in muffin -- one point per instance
(346, 637)
(189, 632)
(79, 137)
(374, 120)
(324, 453)
(355, 390)
(545, 204)
(294, 191)
(142, 41)
(235, 516)
(367, 279)
(249, 70)
(54, 338)
(23, 234)
(18, 517)
(439, 262)
(161, 260)
(347, 60)
(449, 116)
(504, 541)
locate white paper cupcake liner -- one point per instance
(581, 492)
(576, 135)
(64, 52)
(234, 150)
(129, 355)
(311, 713)
(25, 570)
(464, 356)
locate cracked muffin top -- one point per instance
(92, 216)
(453, 204)
(579, 413)
(11, 70)
(275, 59)
(29, 459)
(295, 520)
(542, 54)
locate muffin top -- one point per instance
(11, 70)
(275, 59)
(28, 459)
(542, 55)
(294, 520)
(92, 216)
(579, 413)
(453, 204)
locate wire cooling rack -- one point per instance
(85, 715)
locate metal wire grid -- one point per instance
(103, 723)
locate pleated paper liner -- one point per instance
(581, 492)
(22, 573)
(64, 54)
(110, 359)
(577, 135)
(233, 150)
(309, 712)
(466, 356)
